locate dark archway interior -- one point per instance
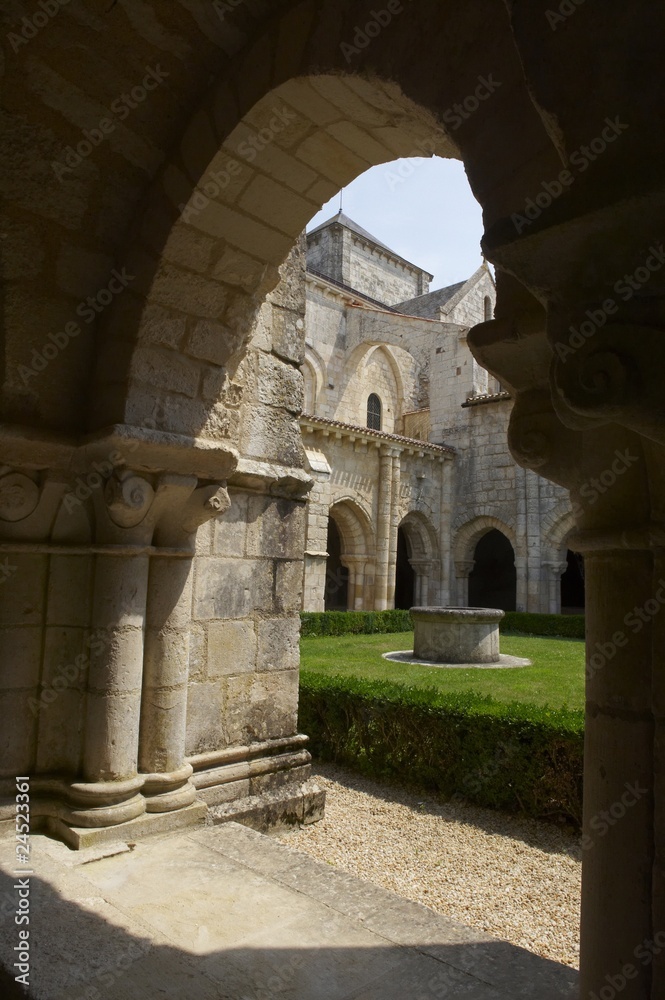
(405, 577)
(493, 581)
(337, 576)
(572, 585)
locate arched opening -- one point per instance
(337, 575)
(572, 585)
(405, 575)
(374, 412)
(487, 304)
(493, 580)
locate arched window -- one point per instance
(374, 412)
(488, 308)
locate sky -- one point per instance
(423, 209)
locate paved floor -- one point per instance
(225, 913)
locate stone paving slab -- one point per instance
(228, 913)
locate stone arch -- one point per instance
(371, 369)
(353, 524)
(563, 569)
(417, 545)
(171, 347)
(313, 369)
(469, 535)
(237, 202)
(557, 533)
(464, 549)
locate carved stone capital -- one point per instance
(204, 504)
(128, 499)
(19, 496)
(463, 567)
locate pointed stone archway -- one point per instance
(141, 269)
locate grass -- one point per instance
(556, 678)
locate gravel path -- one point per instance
(511, 877)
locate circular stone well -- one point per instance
(456, 635)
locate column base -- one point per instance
(78, 837)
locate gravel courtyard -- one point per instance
(515, 878)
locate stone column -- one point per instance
(356, 567)
(554, 570)
(532, 555)
(621, 870)
(383, 527)
(394, 526)
(445, 539)
(520, 550)
(615, 480)
(166, 663)
(463, 568)
(423, 570)
(111, 791)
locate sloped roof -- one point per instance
(344, 220)
(348, 223)
(445, 298)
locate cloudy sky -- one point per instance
(421, 208)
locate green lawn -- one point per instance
(556, 678)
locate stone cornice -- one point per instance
(490, 397)
(368, 436)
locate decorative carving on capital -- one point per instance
(19, 496)
(463, 568)
(205, 503)
(531, 448)
(598, 384)
(128, 499)
(555, 569)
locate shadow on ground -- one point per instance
(227, 914)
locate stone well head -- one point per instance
(457, 635)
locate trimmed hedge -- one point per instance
(519, 758)
(354, 622)
(568, 626)
(316, 623)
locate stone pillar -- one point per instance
(356, 567)
(554, 570)
(532, 555)
(166, 663)
(111, 790)
(445, 534)
(521, 541)
(615, 479)
(394, 526)
(383, 528)
(423, 570)
(463, 569)
(621, 869)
